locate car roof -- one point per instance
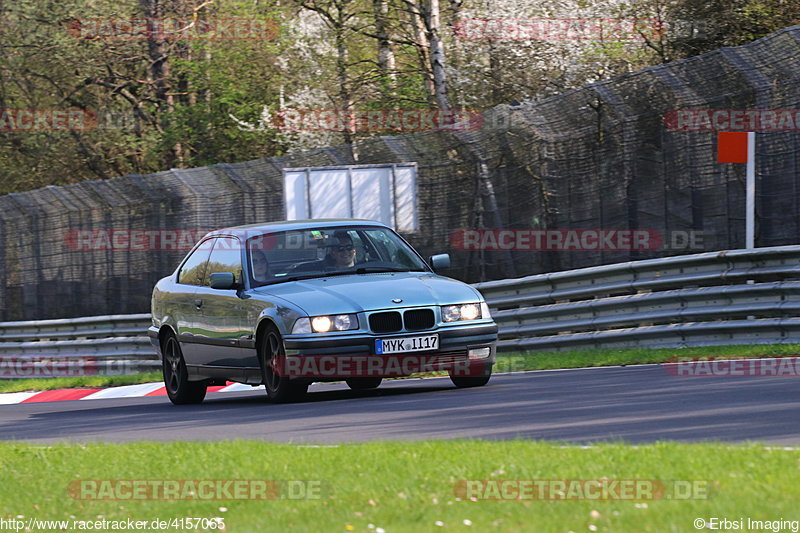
(288, 225)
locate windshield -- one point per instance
(312, 253)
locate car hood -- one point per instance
(368, 292)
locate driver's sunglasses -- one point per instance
(344, 248)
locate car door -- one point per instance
(223, 320)
(183, 303)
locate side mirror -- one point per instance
(223, 280)
(440, 262)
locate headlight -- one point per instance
(451, 313)
(325, 323)
(321, 324)
(455, 313)
(470, 312)
(345, 322)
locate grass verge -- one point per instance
(76, 382)
(406, 486)
(634, 356)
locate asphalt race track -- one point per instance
(634, 404)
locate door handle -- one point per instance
(198, 303)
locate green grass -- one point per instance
(407, 486)
(634, 356)
(88, 382)
(505, 363)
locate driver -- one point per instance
(261, 271)
(341, 252)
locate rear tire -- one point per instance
(363, 383)
(180, 390)
(271, 355)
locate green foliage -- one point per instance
(166, 103)
(47, 65)
(720, 23)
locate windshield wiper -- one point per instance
(359, 270)
(318, 275)
(296, 277)
(364, 270)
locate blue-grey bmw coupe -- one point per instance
(286, 304)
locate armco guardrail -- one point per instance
(115, 344)
(92, 327)
(714, 298)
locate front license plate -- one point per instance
(407, 344)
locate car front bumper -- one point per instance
(469, 349)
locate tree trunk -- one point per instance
(159, 71)
(430, 13)
(386, 61)
(345, 96)
(423, 49)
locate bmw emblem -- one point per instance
(397, 300)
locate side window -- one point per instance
(225, 257)
(193, 270)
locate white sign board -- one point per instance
(386, 193)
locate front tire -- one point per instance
(271, 355)
(363, 383)
(180, 390)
